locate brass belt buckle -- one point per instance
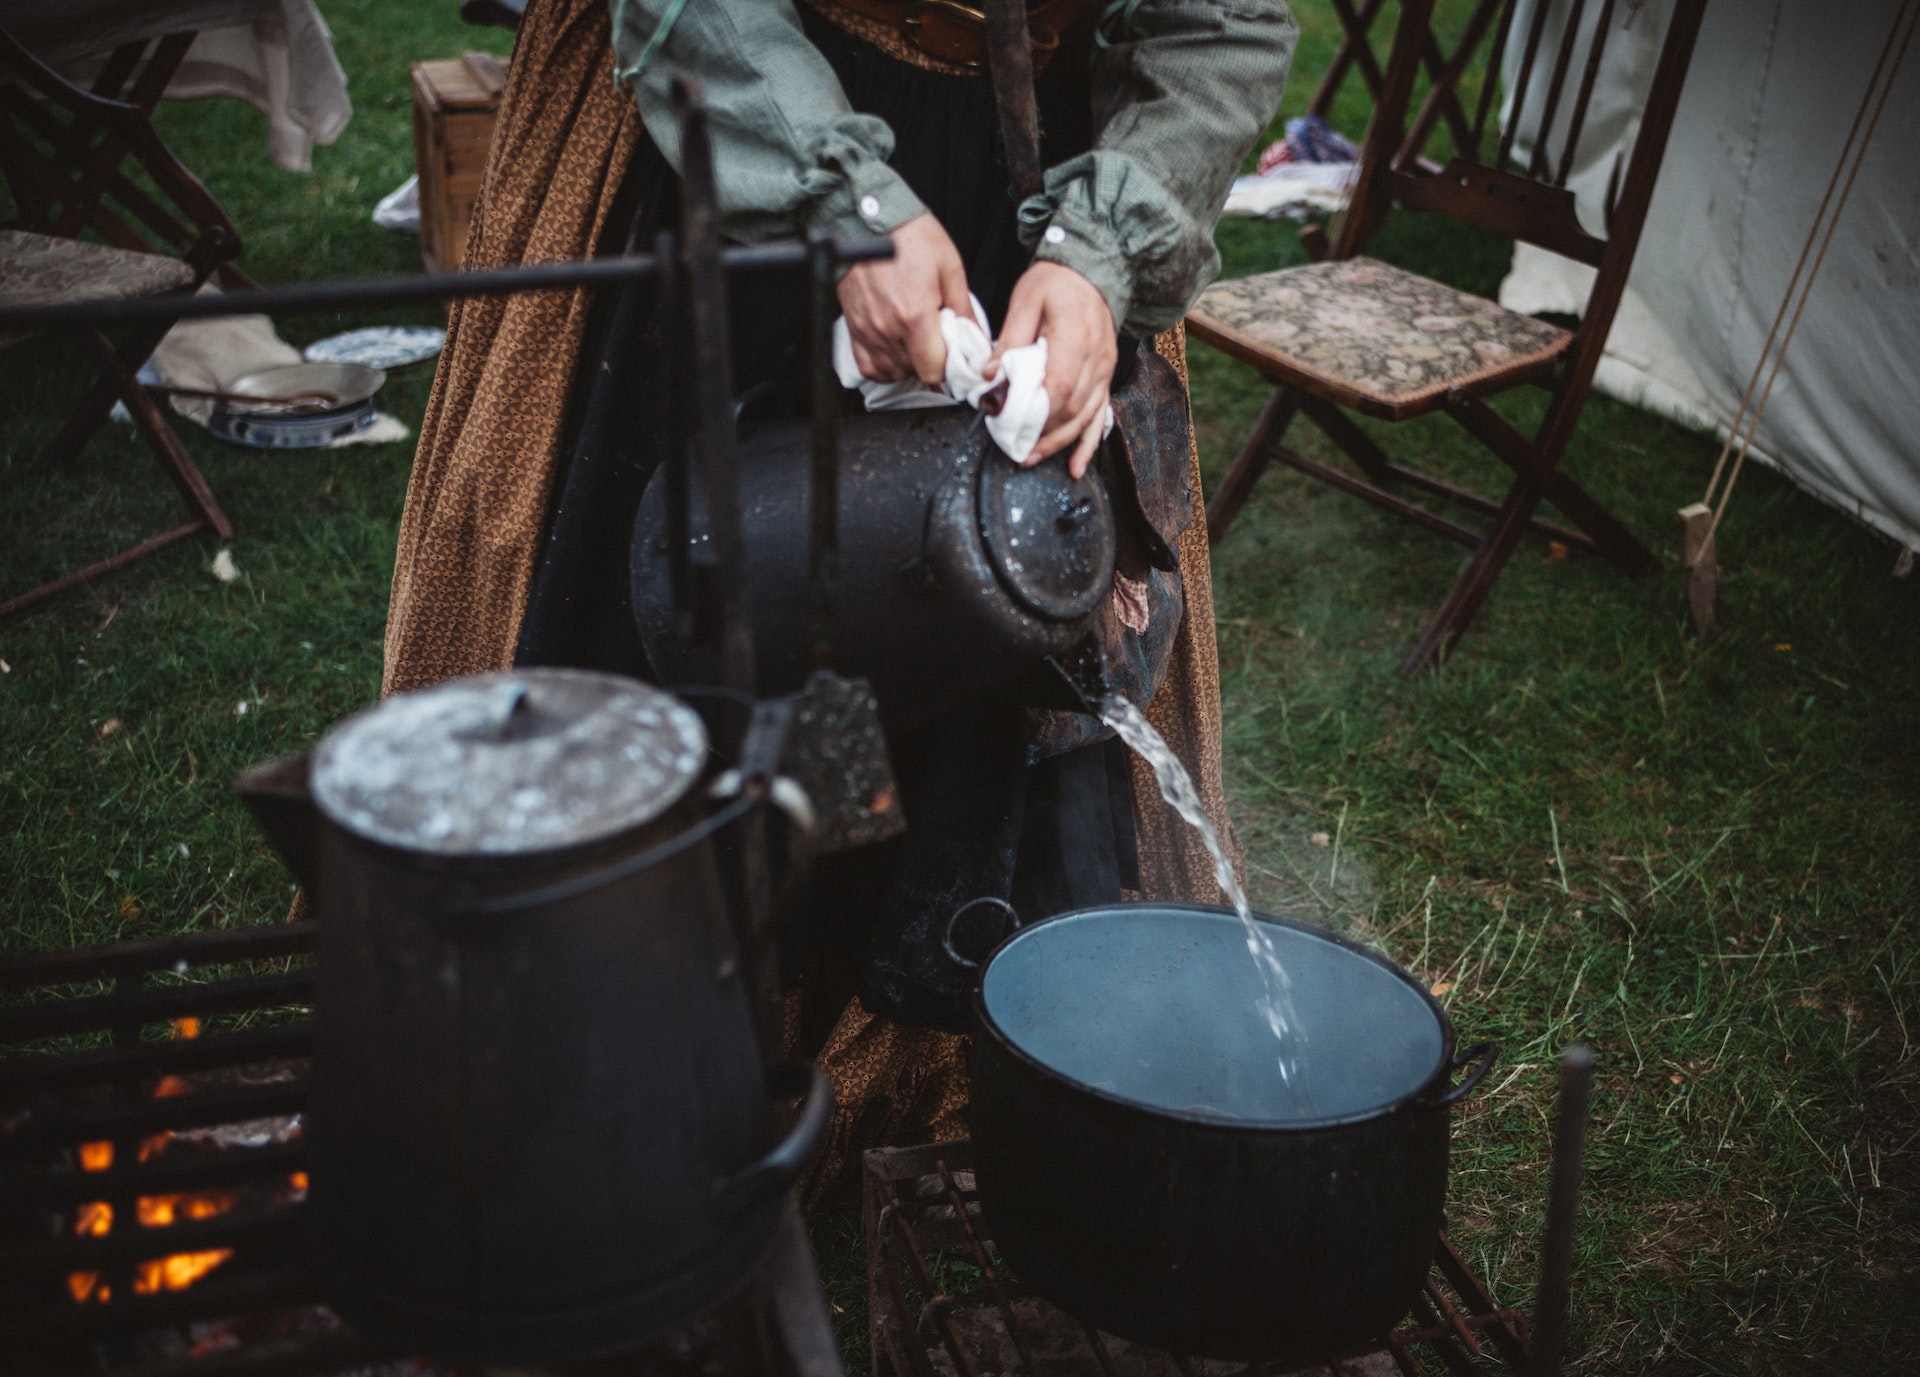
(954, 10)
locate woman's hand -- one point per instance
(1054, 301)
(893, 305)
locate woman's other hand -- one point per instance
(893, 305)
(1053, 301)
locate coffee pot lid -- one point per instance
(1050, 536)
(506, 764)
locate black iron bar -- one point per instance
(211, 1298)
(389, 291)
(1507, 1327)
(28, 1076)
(334, 1353)
(1010, 60)
(894, 1233)
(1563, 1203)
(191, 1172)
(949, 1333)
(985, 1264)
(154, 1006)
(157, 954)
(824, 496)
(706, 288)
(205, 1109)
(131, 1243)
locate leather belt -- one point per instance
(953, 32)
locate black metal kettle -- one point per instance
(959, 571)
(542, 1128)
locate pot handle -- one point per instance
(1485, 1054)
(778, 1170)
(985, 900)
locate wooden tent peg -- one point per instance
(1703, 569)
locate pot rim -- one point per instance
(1417, 1098)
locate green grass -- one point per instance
(1700, 859)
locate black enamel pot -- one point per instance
(1143, 1163)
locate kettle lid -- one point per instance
(506, 764)
(1050, 537)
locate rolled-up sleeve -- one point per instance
(790, 154)
(1182, 88)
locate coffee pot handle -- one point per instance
(775, 1173)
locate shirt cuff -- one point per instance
(869, 198)
(1064, 233)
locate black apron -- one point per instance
(989, 814)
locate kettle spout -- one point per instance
(277, 796)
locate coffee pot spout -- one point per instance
(280, 802)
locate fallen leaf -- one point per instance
(224, 568)
(1321, 839)
(129, 907)
(1784, 645)
(1676, 1078)
(110, 726)
(1445, 987)
(1556, 549)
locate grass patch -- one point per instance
(1702, 860)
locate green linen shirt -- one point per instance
(1181, 89)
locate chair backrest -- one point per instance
(76, 162)
(1552, 85)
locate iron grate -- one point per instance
(939, 1307)
(125, 1143)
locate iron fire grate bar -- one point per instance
(153, 1183)
(922, 1216)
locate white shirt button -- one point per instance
(870, 207)
(1055, 235)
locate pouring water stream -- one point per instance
(1176, 786)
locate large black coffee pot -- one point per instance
(541, 1125)
(959, 571)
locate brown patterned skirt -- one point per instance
(482, 479)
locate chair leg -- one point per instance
(1250, 462)
(1610, 538)
(166, 445)
(1476, 580)
(137, 346)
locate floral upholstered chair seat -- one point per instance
(1371, 336)
(38, 270)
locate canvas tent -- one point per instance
(1773, 88)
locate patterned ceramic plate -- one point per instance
(379, 346)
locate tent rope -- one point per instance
(1895, 48)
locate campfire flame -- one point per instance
(177, 1272)
(158, 1211)
(94, 1219)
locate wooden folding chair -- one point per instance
(1356, 54)
(78, 164)
(1354, 334)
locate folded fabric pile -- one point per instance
(1307, 173)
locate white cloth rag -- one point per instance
(1023, 414)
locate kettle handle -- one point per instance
(985, 900)
(1483, 1053)
(775, 1173)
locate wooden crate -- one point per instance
(454, 105)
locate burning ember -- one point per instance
(173, 1271)
(178, 1272)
